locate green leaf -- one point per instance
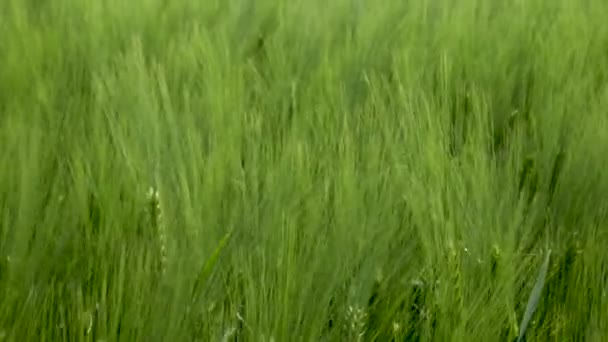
(534, 298)
(209, 265)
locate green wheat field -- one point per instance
(303, 170)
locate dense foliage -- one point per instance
(303, 170)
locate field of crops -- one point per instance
(303, 170)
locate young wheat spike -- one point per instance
(356, 320)
(455, 267)
(156, 220)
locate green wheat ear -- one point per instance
(356, 321)
(455, 267)
(534, 298)
(156, 219)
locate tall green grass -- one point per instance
(320, 170)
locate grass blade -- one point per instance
(534, 298)
(209, 265)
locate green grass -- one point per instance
(320, 170)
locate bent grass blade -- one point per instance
(534, 298)
(209, 265)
